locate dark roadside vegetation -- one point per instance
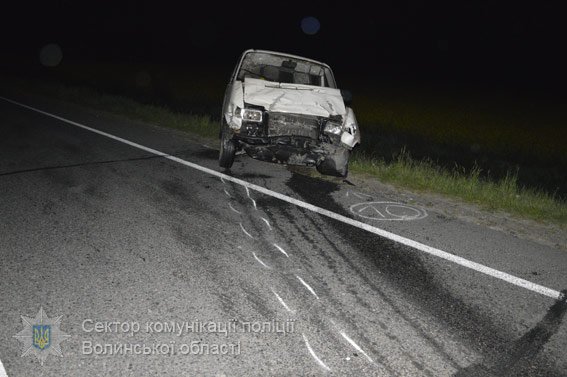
(502, 149)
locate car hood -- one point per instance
(294, 98)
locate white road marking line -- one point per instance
(206, 146)
(2, 370)
(234, 209)
(245, 232)
(267, 222)
(307, 286)
(222, 179)
(227, 193)
(356, 346)
(317, 359)
(281, 249)
(347, 220)
(260, 261)
(282, 301)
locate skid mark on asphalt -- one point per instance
(82, 164)
(324, 212)
(520, 355)
(267, 222)
(318, 317)
(308, 309)
(281, 250)
(245, 231)
(301, 280)
(384, 364)
(249, 197)
(307, 286)
(408, 266)
(314, 355)
(233, 209)
(282, 302)
(489, 337)
(260, 261)
(356, 346)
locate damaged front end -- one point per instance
(283, 109)
(295, 139)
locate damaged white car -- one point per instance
(287, 109)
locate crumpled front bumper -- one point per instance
(292, 150)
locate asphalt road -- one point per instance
(111, 237)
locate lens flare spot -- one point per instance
(310, 25)
(50, 55)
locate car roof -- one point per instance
(285, 54)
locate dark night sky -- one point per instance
(510, 43)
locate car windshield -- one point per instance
(285, 69)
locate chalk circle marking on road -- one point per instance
(387, 211)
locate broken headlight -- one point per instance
(333, 128)
(249, 115)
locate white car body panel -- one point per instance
(351, 134)
(294, 98)
(235, 99)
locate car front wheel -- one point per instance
(227, 152)
(335, 165)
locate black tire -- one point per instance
(227, 153)
(336, 166)
(343, 171)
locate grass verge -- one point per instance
(502, 195)
(202, 125)
(418, 175)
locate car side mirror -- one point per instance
(347, 96)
